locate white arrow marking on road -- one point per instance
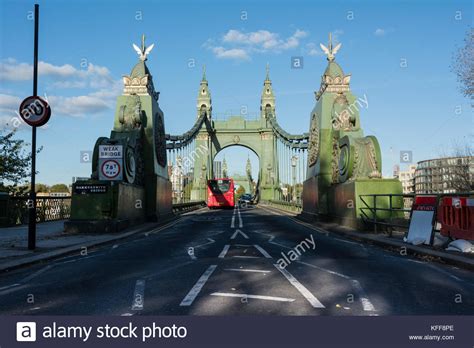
(258, 297)
(192, 294)
(300, 287)
(237, 232)
(138, 295)
(224, 251)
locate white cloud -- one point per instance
(79, 106)
(383, 31)
(379, 32)
(313, 50)
(233, 53)
(9, 102)
(100, 94)
(62, 76)
(240, 45)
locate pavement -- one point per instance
(394, 242)
(244, 261)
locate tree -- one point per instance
(463, 65)
(59, 188)
(42, 188)
(462, 176)
(14, 161)
(240, 191)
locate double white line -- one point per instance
(232, 223)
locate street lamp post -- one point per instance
(294, 161)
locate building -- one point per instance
(396, 170)
(176, 175)
(445, 175)
(407, 178)
(217, 169)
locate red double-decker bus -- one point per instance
(220, 193)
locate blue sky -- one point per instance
(85, 47)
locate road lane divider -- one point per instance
(246, 270)
(258, 297)
(196, 289)
(300, 287)
(262, 251)
(224, 251)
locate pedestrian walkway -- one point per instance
(395, 242)
(51, 241)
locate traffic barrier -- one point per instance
(456, 216)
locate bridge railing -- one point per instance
(396, 214)
(180, 208)
(14, 209)
(296, 207)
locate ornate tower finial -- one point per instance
(267, 101)
(330, 51)
(144, 51)
(204, 72)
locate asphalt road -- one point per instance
(237, 262)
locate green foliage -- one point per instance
(42, 188)
(240, 191)
(59, 188)
(14, 161)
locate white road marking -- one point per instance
(224, 251)
(114, 246)
(258, 297)
(244, 245)
(281, 245)
(246, 270)
(196, 289)
(126, 314)
(348, 241)
(9, 286)
(210, 242)
(240, 217)
(325, 270)
(138, 295)
(37, 273)
(262, 251)
(232, 222)
(237, 232)
(300, 287)
(246, 257)
(366, 304)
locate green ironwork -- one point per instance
(343, 164)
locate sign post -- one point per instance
(35, 112)
(110, 162)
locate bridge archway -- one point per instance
(272, 145)
(240, 163)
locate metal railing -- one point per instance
(187, 206)
(395, 209)
(48, 208)
(373, 203)
(284, 205)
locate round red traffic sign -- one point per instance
(110, 169)
(35, 111)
